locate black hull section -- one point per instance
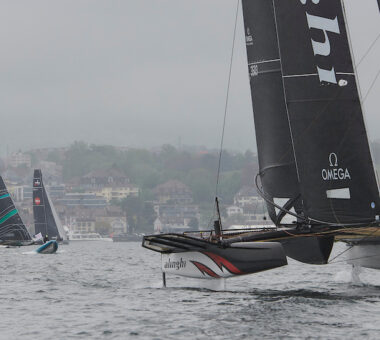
(191, 257)
(311, 250)
(302, 245)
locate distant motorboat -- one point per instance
(88, 237)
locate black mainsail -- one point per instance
(335, 169)
(12, 229)
(278, 171)
(46, 220)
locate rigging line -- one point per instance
(227, 98)
(348, 33)
(371, 87)
(356, 258)
(367, 52)
(352, 245)
(262, 194)
(349, 39)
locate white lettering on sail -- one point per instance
(323, 48)
(335, 173)
(248, 37)
(254, 70)
(325, 25)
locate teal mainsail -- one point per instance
(12, 228)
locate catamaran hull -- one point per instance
(309, 249)
(49, 247)
(365, 255)
(214, 263)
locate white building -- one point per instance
(18, 159)
(234, 210)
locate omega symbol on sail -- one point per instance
(334, 172)
(323, 48)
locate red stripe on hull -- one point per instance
(222, 262)
(205, 270)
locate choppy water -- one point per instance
(104, 290)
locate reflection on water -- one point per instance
(104, 290)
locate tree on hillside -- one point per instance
(202, 184)
(81, 159)
(140, 214)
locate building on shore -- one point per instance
(174, 208)
(18, 158)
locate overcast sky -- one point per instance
(137, 73)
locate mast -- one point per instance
(278, 172)
(337, 179)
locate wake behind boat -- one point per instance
(316, 170)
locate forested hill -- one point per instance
(197, 168)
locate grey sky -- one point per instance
(133, 72)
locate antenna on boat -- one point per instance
(218, 221)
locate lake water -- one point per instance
(105, 290)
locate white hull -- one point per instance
(213, 262)
(364, 255)
(183, 264)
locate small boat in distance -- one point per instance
(46, 220)
(50, 247)
(88, 237)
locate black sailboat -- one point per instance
(12, 230)
(46, 220)
(316, 170)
